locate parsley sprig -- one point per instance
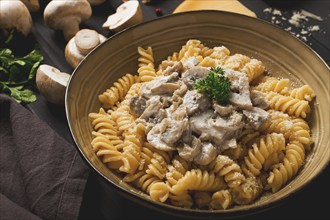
(216, 85)
(17, 74)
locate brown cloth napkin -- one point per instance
(41, 175)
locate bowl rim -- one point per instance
(162, 207)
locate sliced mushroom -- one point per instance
(232, 123)
(160, 85)
(81, 44)
(32, 5)
(190, 76)
(190, 152)
(127, 14)
(223, 110)
(137, 105)
(256, 117)
(258, 99)
(174, 131)
(52, 83)
(175, 67)
(196, 101)
(163, 135)
(67, 15)
(243, 101)
(206, 155)
(153, 107)
(15, 15)
(240, 83)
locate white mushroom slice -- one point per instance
(190, 152)
(52, 83)
(174, 131)
(127, 14)
(207, 154)
(67, 15)
(232, 123)
(81, 44)
(223, 110)
(96, 2)
(231, 143)
(15, 15)
(190, 76)
(256, 117)
(153, 106)
(195, 101)
(258, 99)
(155, 135)
(173, 67)
(137, 105)
(242, 101)
(239, 82)
(160, 85)
(32, 5)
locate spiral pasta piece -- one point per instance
(104, 126)
(146, 57)
(147, 73)
(303, 93)
(261, 150)
(131, 154)
(221, 199)
(274, 159)
(220, 54)
(208, 62)
(300, 132)
(277, 122)
(159, 191)
(292, 106)
(294, 157)
(236, 62)
(118, 91)
(109, 153)
(197, 179)
(253, 69)
(229, 169)
(272, 84)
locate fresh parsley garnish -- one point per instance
(17, 74)
(216, 85)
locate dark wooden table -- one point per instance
(312, 202)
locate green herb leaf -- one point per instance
(215, 85)
(17, 74)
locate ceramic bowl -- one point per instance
(282, 54)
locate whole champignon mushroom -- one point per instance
(127, 14)
(32, 5)
(52, 83)
(14, 14)
(67, 15)
(96, 2)
(81, 44)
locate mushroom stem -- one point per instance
(70, 28)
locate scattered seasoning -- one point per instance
(159, 12)
(295, 23)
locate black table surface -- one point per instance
(313, 202)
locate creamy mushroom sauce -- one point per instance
(178, 117)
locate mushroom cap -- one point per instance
(60, 15)
(52, 83)
(32, 5)
(127, 14)
(96, 2)
(79, 46)
(14, 14)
